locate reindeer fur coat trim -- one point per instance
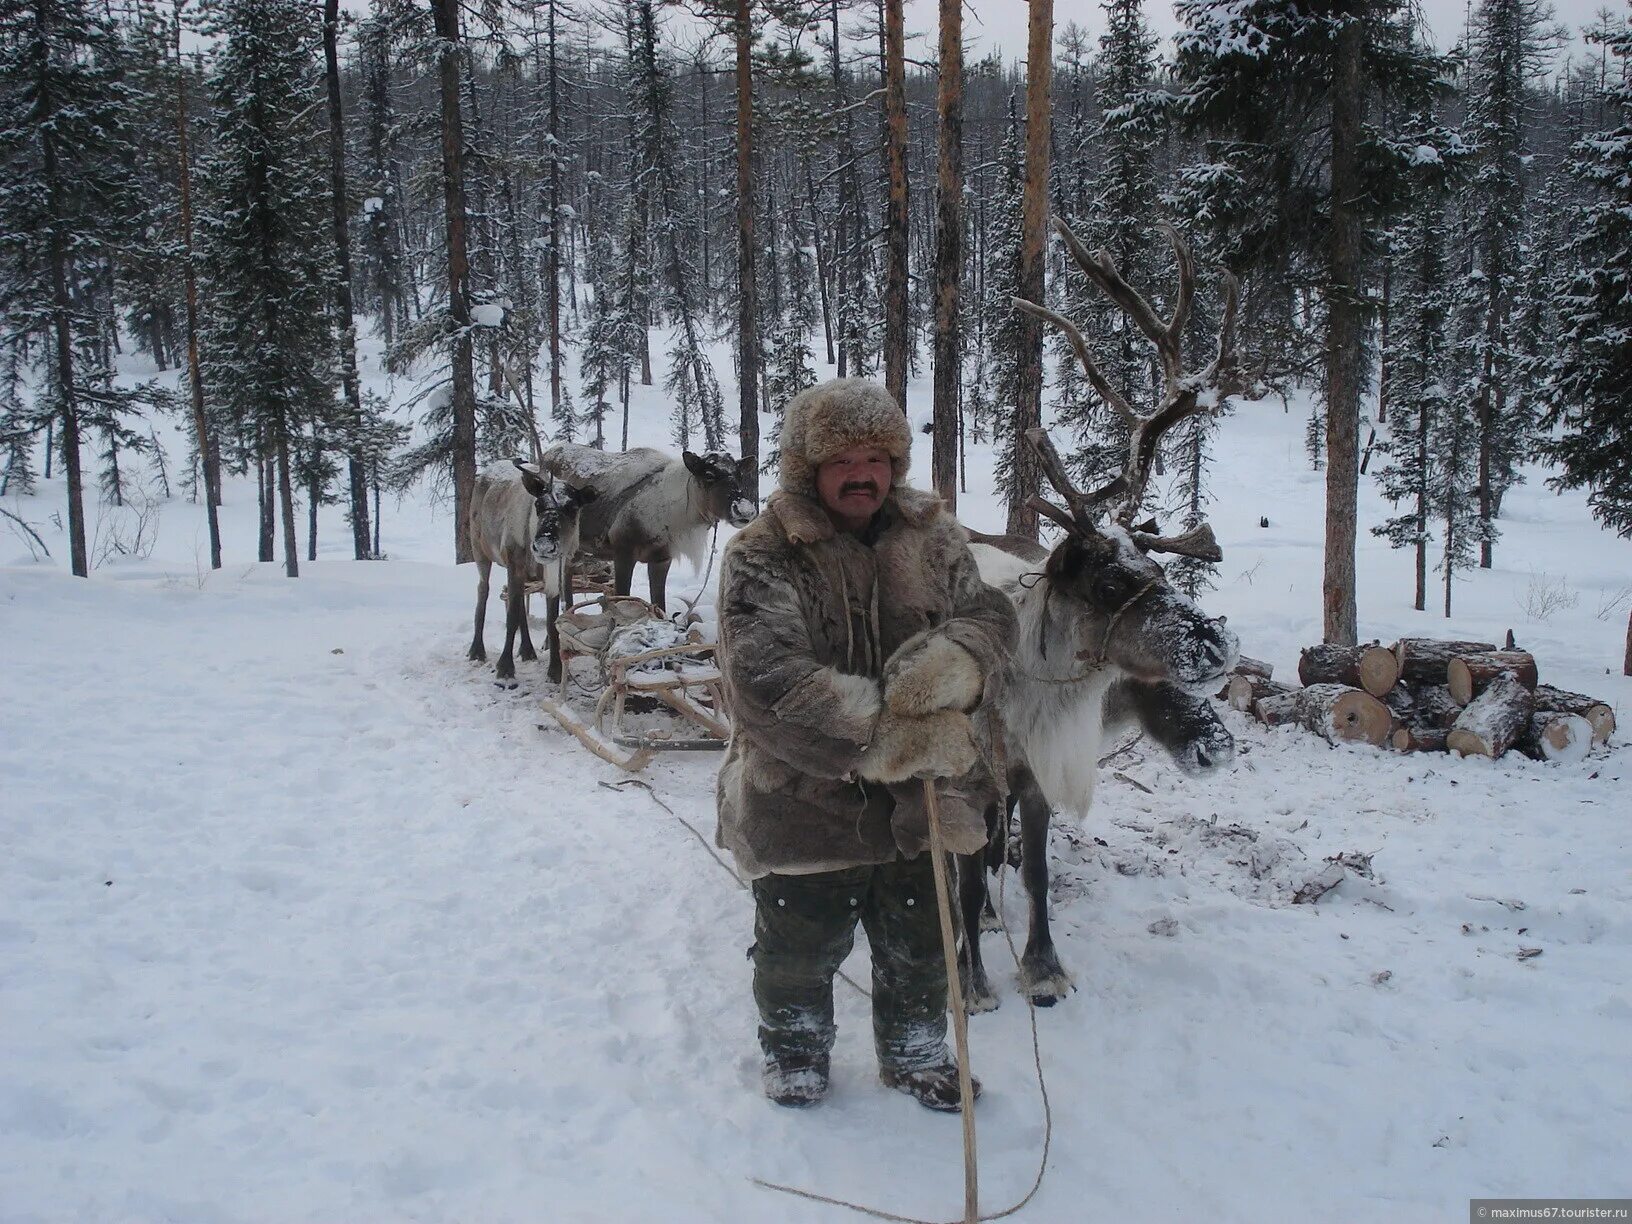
(809, 621)
(833, 416)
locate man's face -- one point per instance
(852, 485)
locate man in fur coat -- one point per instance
(856, 638)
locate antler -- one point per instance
(1183, 395)
(1081, 514)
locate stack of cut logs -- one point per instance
(1426, 695)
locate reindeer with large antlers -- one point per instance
(1105, 639)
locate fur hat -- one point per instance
(831, 417)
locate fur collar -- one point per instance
(805, 522)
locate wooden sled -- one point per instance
(641, 659)
(588, 576)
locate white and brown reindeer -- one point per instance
(527, 522)
(1105, 640)
(651, 507)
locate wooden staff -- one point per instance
(960, 1021)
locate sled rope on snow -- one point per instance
(715, 855)
(971, 1207)
(960, 1022)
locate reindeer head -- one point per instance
(556, 507)
(1126, 612)
(724, 484)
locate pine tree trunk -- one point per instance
(61, 307)
(1422, 508)
(1344, 325)
(895, 211)
(623, 383)
(823, 261)
(1022, 519)
(747, 281)
(266, 489)
(312, 495)
(552, 288)
(446, 13)
(208, 460)
(358, 478)
(1485, 417)
(1626, 667)
(286, 502)
(948, 253)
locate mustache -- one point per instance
(858, 486)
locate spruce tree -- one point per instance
(150, 264)
(1420, 386)
(690, 381)
(1289, 98)
(268, 347)
(1002, 328)
(1509, 45)
(63, 197)
(383, 271)
(1120, 221)
(1590, 380)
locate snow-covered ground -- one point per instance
(303, 919)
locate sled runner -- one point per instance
(657, 686)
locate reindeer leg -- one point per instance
(552, 609)
(513, 615)
(978, 995)
(529, 653)
(657, 575)
(1042, 978)
(997, 858)
(478, 651)
(623, 573)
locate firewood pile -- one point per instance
(1425, 695)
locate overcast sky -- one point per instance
(1003, 22)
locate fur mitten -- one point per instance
(963, 831)
(931, 672)
(938, 745)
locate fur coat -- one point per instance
(809, 620)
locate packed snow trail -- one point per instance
(295, 935)
(302, 917)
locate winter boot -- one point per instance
(934, 1087)
(795, 1082)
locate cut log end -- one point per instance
(1344, 715)
(1276, 709)
(1565, 738)
(1596, 712)
(1379, 670)
(1494, 720)
(1602, 720)
(1374, 669)
(1412, 738)
(1466, 676)
(1244, 691)
(1358, 717)
(1424, 660)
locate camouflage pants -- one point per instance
(804, 927)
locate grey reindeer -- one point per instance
(527, 522)
(651, 507)
(1105, 640)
